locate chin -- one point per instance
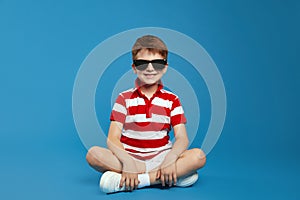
(150, 83)
(147, 82)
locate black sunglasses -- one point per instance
(158, 64)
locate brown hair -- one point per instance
(152, 43)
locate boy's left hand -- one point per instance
(168, 173)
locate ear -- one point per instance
(165, 69)
(133, 68)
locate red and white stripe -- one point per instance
(146, 124)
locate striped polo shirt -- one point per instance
(147, 122)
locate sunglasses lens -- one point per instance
(158, 66)
(141, 67)
(140, 64)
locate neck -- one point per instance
(149, 90)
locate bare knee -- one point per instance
(93, 155)
(198, 157)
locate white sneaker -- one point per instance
(110, 181)
(186, 181)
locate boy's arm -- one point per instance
(181, 140)
(129, 172)
(168, 168)
(113, 141)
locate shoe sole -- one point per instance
(188, 180)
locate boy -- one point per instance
(139, 151)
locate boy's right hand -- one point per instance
(129, 175)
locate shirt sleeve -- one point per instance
(119, 110)
(177, 113)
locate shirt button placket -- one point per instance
(148, 114)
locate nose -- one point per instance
(150, 67)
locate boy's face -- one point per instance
(149, 76)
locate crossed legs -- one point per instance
(102, 160)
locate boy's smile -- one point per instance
(150, 75)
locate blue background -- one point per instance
(255, 45)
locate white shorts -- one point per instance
(154, 162)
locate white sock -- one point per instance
(144, 180)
